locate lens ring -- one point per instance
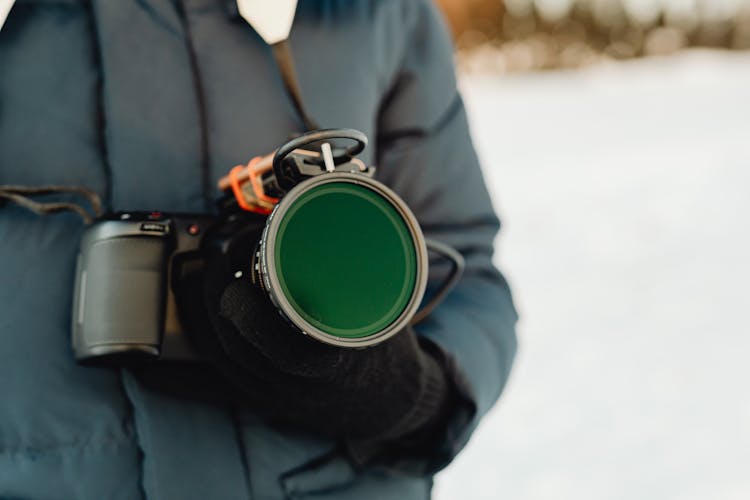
(271, 278)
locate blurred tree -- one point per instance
(468, 15)
(538, 34)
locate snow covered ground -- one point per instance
(625, 193)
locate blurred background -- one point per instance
(615, 138)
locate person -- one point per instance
(148, 103)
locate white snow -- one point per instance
(624, 195)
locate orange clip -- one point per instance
(255, 178)
(261, 203)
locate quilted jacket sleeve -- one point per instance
(425, 154)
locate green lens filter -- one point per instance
(345, 259)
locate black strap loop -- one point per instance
(458, 265)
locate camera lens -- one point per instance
(345, 260)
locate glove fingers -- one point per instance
(258, 321)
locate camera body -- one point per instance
(127, 270)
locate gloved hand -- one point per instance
(381, 393)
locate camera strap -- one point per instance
(23, 197)
(272, 20)
(283, 56)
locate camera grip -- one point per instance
(120, 297)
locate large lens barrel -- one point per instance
(344, 259)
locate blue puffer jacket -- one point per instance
(126, 97)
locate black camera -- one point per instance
(339, 255)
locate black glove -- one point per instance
(382, 393)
